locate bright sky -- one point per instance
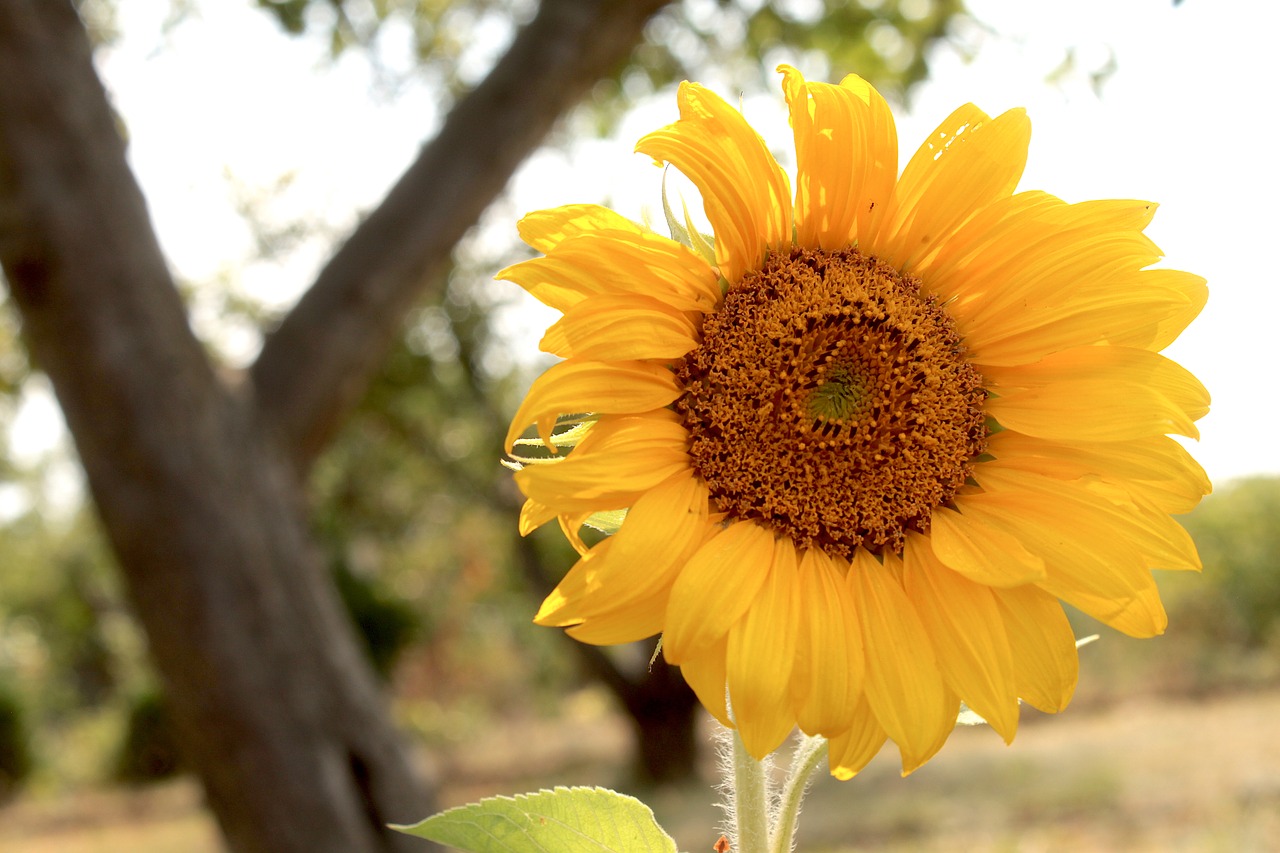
(1177, 122)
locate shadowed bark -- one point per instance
(197, 481)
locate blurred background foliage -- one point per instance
(414, 513)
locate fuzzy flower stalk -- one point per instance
(855, 449)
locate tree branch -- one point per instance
(315, 366)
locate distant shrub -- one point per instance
(148, 752)
(386, 623)
(1237, 531)
(16, 761)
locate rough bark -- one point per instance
(273, 701)
(196, 481)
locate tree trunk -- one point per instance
(197, 480)
(272, 700)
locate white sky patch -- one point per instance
(1177, 123)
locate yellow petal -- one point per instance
(1105, 511)
(715, 588)
(1032, 254)
(578, 387)
(641, 619)
(618, 262)
(744, 191)
(704, 672)
(980, 552)
(852, 750)
(1195, 292)
(1086, 564)
(846, 155)
(968, 162)
(1138, 309)
(1156, 468)
(1100, 393)
(621, 328)
(1046, 666)
(762, 646)
(962, 619)
(904, 686)
(638, 563)
(533, 515)
(546, 229)
(626, 458)
(829, 665)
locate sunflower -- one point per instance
(855, 450)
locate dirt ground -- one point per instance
(1153, 775)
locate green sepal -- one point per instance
(566, 820)
(686, 233)
(607, 521)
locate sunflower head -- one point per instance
(854, 453)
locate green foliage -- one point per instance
(16, 759)
(149, 751)
(567, 820)
(885, 41)
(387, 624)
(1236, 532)
(411, 500)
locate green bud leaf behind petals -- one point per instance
(566, 820)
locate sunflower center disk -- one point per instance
(831, 401)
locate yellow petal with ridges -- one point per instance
(621, 328)
(1157, 468)
(1194, 290)
(618, 262)
(946, 272)
(564, 604)
(533, 515)
(629, 457)
(852, 750)
(1033, 250)
(761, 649)
(715, 588)
(576, 387)
(1104, 510)
(546, 229)
(1113, 394)
(642, 618)
(744, 192)
(968, 162)
(704, 672)
(964, 622)
(1133, 309)
(1046, 666)
(1088, 567)
(904, 686)
(980, 552)
(846, 157)
(571, 527)
(830, 665)
(641, 561)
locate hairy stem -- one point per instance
(750, 804)
(804, 763)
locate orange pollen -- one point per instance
(831, 401)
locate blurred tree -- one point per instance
(1239, 541)
(198, 474)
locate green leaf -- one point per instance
(565, 820)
